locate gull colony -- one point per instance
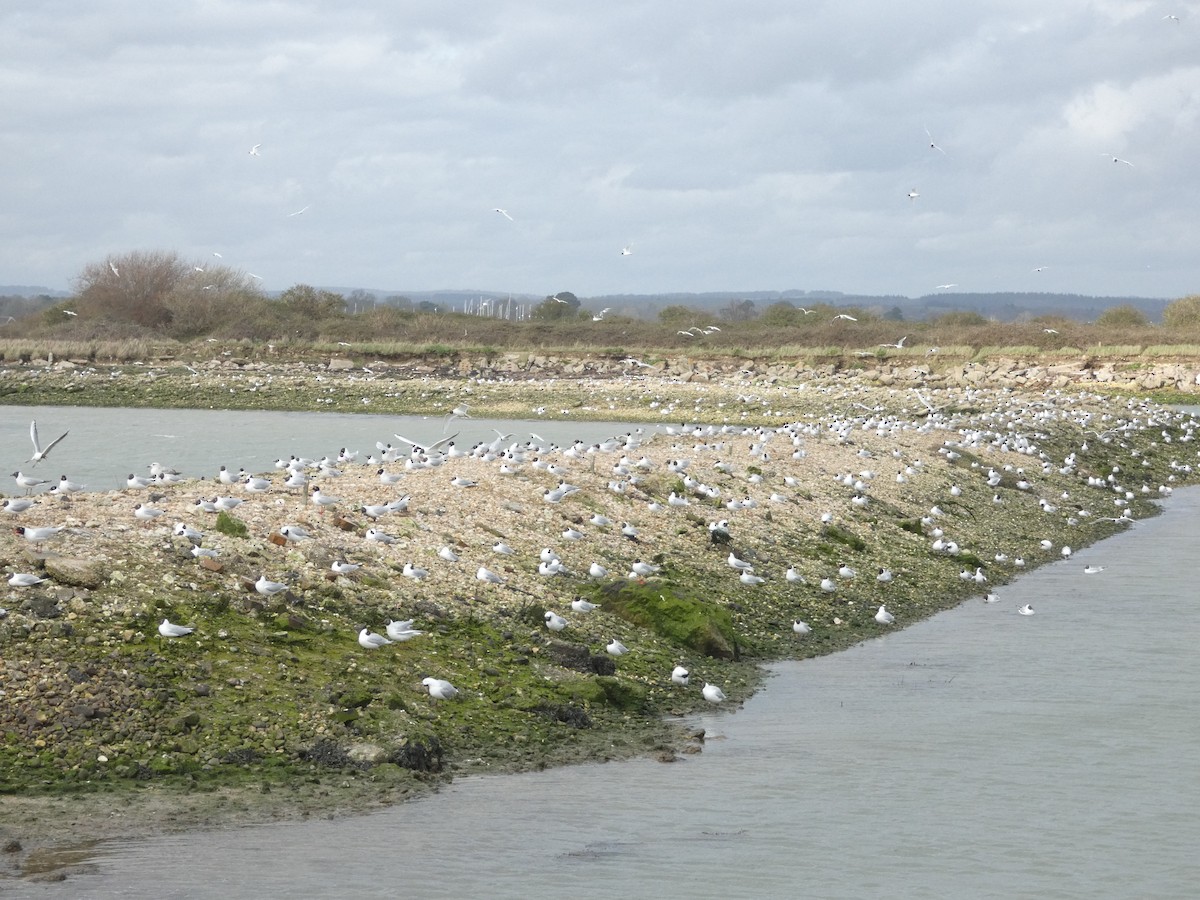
(787, 515)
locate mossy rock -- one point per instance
(685, 621)
(843, 536)
(230, 525)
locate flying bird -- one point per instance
(913, 194)
(932, 145)
(39, 452)
(844, 316)
(627, 250)
(503, 212)
(298, 212)
(254, 150)
(942, 287)
(1118, 159)
(113, 266)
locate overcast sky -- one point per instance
(754, 145)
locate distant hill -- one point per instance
(30, 290)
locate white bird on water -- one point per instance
(1092, 570)
(1026, 610)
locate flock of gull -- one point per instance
(614, 500)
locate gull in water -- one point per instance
(680, 675)
(268, 588)
(883, 617)
(616, 648)
(712, 693)
(440, 689)
(1092, 570)
(990, 598)
(40, 452)
(554, 621)
(168, 630)
(371, 641)
(1026, 610)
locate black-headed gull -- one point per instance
(24, 579)
(883, 617)
(440, 689)
(680, 675)
(402, 631)
(268, 588)
(168, 630)
(616, 648)
(369, 640)
(554, 621)
(40, 452)
(712, 693)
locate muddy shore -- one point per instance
(272, 709)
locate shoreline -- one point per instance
(531, 697)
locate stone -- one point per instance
(85, 573)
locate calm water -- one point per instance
(105, 445)
(977, 754)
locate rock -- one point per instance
(340, 365)
(371, 754)
(84, 573)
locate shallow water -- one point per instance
(105, 445)
(976, 754)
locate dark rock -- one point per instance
(602, 664)
(43, 608)
(419, 756)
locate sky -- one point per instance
(756, 145)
